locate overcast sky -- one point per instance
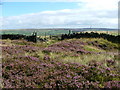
(58, 13)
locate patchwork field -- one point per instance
(71, 63)
(41, 32)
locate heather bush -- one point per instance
(32, 66)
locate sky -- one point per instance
(59, 14)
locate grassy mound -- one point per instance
(74, 63)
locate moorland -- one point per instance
(68, 63)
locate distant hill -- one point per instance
(51, 31)
(76, 29)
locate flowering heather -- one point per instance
(53, 74)
(69, 46)
(112, 84)
(18, 50)
(24, 67)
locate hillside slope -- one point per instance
(73, 63)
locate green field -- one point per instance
(43, 32)
(39, 32)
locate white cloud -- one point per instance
(101, 4)
(98, 13)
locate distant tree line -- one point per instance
(32, 38)
(112, 38)
(12, 36)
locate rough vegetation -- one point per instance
(74, 63)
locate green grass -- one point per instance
(41, 32)
(92, 48)
(82, 59)
(69, 56)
